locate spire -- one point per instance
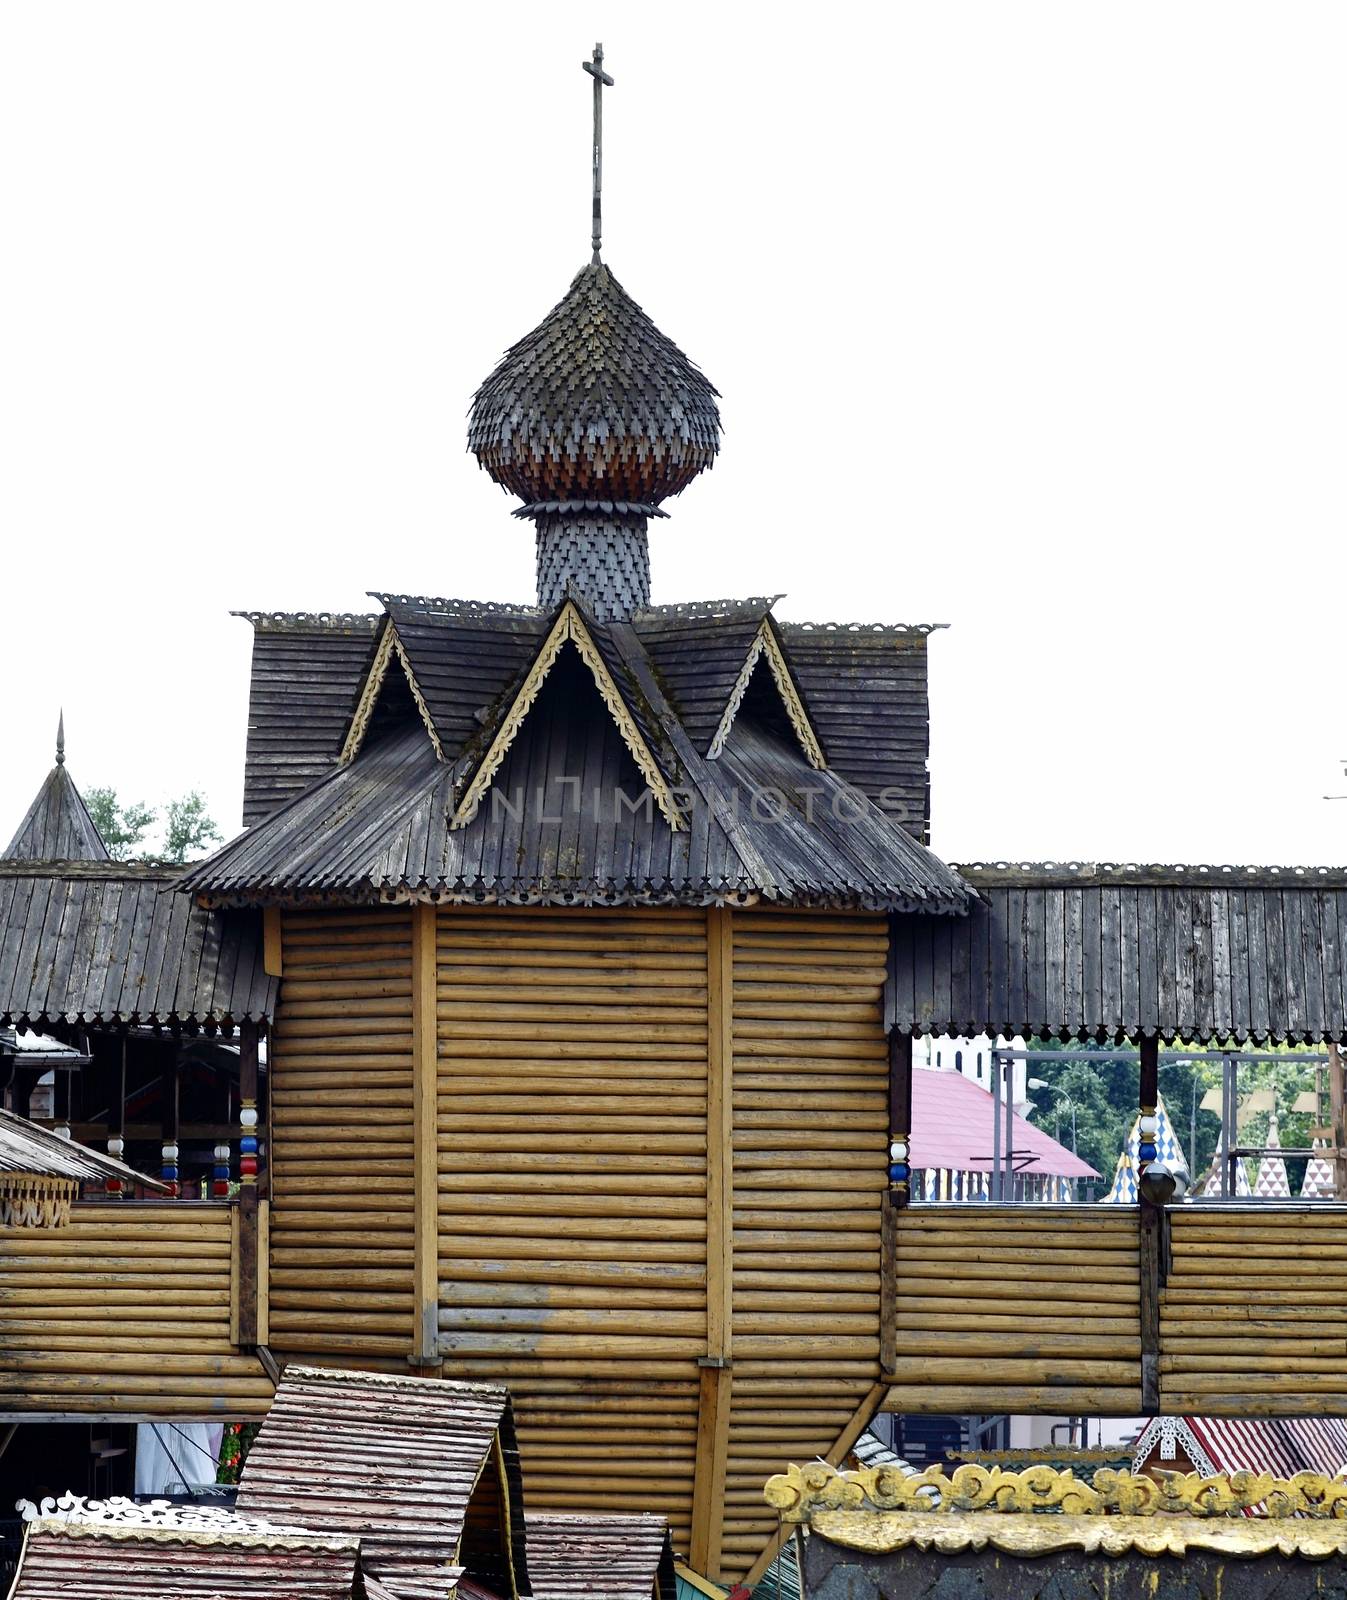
(57, 826)
(592, 420)
(601, 79)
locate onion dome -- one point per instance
(596, 404)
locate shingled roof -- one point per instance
(416, 1456)
(680, 747)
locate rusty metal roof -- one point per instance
(600, 1557)
(393, 1460)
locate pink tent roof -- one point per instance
(952, 1128)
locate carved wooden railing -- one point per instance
(127, 1310)
(1049, 1309)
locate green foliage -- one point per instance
(1105, 1096)
(122, 827)
(188, 828)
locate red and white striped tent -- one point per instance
(1213, 1445)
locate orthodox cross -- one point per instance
(595, 69)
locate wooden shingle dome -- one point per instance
(595, 404)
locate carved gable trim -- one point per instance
(765, 643)
(388, 647)
(568, 628)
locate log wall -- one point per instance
(341, 1137)
(810, 1133)
(1253, 1317)
(125, 1312)
(572, 1178)
(1025, 1309)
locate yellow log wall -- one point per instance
(1253, 1318)
(124, 1312)
(810, 1111)
(572, 1179)
(1026, 1309)
(341, 1137)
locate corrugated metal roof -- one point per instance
(592, 1557)
(952, 1130)
(392, 1459)
(1189, 952)
(1280, 1446)
(24, 1147)
(103, 942)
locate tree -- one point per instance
(189, 829)
(121, 827)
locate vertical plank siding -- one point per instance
(1027, 1310)
(124, 1312)
(1192, 953)
(1253, 1317)
(572, 1180)
(810, 1134)
(342, 1237)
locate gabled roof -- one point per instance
(57, 826)
(648, 815)
(410, 1457)
(579, 1556)
(1281, 1447)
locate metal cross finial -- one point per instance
(595, 69)
(60, 738)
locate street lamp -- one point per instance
(1067, 1101)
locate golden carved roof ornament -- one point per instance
(802, 1493)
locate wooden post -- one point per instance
(888, 1283)
(1150, 1221)
(900, 1115)
(117, 1122)
(1338, 1117)
(272, 964)
(713, 1412)
(249, 1271)
(425, 1352)
(170, 1169)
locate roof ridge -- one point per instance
(499, 608)
(1194, 872)
(316, 621)
(708, 608)
(879, 628)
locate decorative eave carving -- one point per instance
(765, 643)
(120, 1518)
(802, 1494)
(389, 646)
(569, 626)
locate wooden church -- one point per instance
(573, 955)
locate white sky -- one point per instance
(1027, 318)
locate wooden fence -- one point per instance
(124, 1312)
(1040, 1310)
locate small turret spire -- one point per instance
(60, 738)
(595, 69)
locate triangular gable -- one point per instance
(1165, 1437)
(766, 647)
(388, 649)
(569, 627)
